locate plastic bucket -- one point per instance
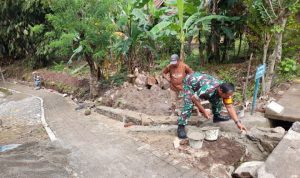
(212, 133)
(196, 139)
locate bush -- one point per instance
(58, 67)
(289, 68)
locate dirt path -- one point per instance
(98, 149)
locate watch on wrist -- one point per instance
(238, 121)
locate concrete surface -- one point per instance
(256, 120)
(99, 150)
(284, 161)
(291, 103)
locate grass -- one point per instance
(58, 67)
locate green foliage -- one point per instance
(194, 62)
(116, 80)
(58, 66)
(161, 64)
(227, 75)
(288, 67)
(291, 45)
(134, 23)
(17, 19)
(82, 24)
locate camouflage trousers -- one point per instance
(186, 112)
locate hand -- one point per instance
(241, 127)
(207, 115)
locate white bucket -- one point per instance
(196, 139)
(211, 133)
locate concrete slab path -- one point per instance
(291, 103)
(97, 149)
(284, 161)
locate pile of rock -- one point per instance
(143, 80)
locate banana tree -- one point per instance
(134, 23)
(171, 23)
(189, 20)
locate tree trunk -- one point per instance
(267, 38)
(223, 59)
(215, 42)
(94, 89)
(182, 51)
(240, 46)
(189, 48)
(200, 48)
(213, 51)
(275, 56)
(208, 49)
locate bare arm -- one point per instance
(234, 117)
(166, 73)
(188, 70)
(200, 107)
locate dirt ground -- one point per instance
(154, 101)
(225, 151)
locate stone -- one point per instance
(139, 88)
(87, 112)
(268, 138)
(164, 84)
(296, 127)
(126, 84)
(140, 80)
(184, 142)
(176, 143)
(158, 78)
(260, 147)
(183, 148)
(280, 92)
(151, 81)
(284, 161)
(268, 145)
(190, 151)
(128, 124)
(65, 95)
(220, 171)
(155, 88)
(278, 130)
(120, 102)
(201, 154)
(136, 72)
(100, 100)
(249, 167)
(284, 86)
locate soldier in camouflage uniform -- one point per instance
(205, 87)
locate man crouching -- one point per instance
(203, 86)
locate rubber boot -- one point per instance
(181, 131)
